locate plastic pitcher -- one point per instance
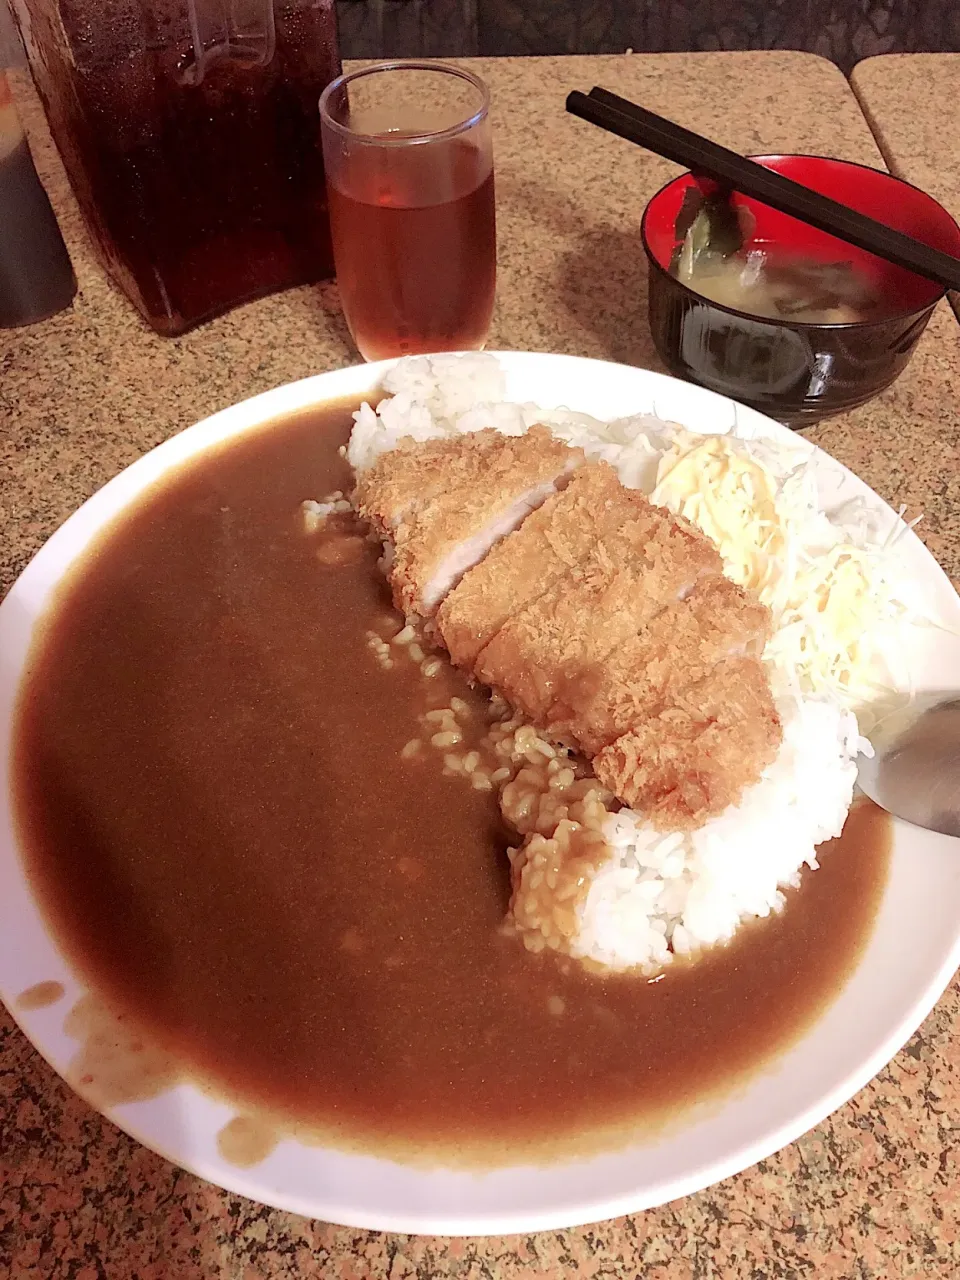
(189, 131)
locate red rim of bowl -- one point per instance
(787, 323)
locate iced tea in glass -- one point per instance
(409, 166)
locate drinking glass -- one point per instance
(409, 165)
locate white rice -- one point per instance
(315, 514)
(686, 891)
(656, 895)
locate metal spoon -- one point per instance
(915, 770)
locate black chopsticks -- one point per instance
(705, 158)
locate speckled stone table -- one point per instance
(870, 1194)
(912, 104)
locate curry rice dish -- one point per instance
(242, 836)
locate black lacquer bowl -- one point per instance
(794, 371)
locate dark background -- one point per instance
(842, 30)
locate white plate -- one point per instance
(914, 950)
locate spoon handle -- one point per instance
(636, 124)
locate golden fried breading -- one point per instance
(694, 758)
(643, 562)
(491, 482)
(415, 470)
(556, 538)
(673, 650)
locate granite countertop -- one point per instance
(911, 103)
(870, 1193)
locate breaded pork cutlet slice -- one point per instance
(694, 758)
(491, 482)
(672, 651)
(413, 472)
(556, 538)
(545, 658)
(604, 619)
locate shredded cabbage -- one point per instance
(835, 600)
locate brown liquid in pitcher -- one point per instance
(199, 195)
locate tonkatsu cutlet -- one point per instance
(605, 620)
(674, 649)
(637, 566)
(415, 471)
(691, 758)
(595, 529)
(553, 540)
(439, 518)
